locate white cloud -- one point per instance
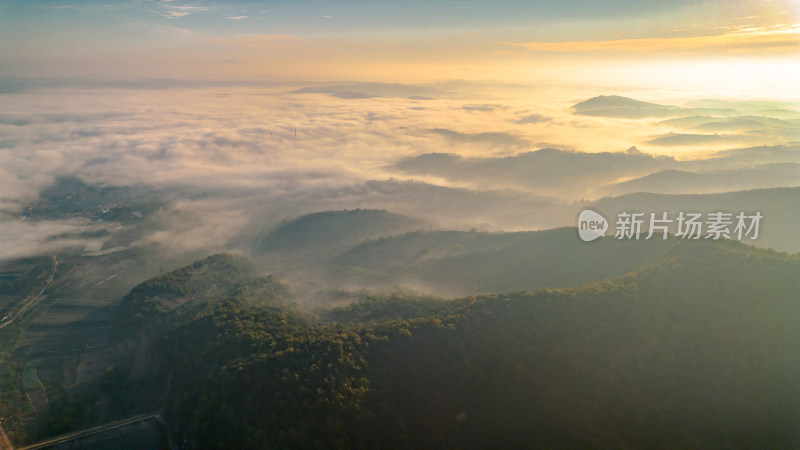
(177, 11)
(20, 238)
(228, 158)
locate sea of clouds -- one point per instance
(234, 160)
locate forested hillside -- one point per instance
(696, 349)
(462, 263)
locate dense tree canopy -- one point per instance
(698, 349)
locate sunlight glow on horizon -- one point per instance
(777, 39)
(197, 40)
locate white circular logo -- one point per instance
(591, 225)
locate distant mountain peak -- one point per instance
(326, 230)
(623, 107)
(605, 101)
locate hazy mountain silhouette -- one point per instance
(547, 171)
(750, 128)
(623, 107)
(683, 139)
(770, 108)
(578, 174)
(778, 229)
(325, 231)
(747, 157)
(453, 207)
(683, 182)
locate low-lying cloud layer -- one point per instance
(233, 160)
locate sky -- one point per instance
(713, 43)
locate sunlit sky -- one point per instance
(719, 44)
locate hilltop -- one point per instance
(326, 231)
(623, 107)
